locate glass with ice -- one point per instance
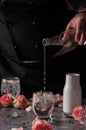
(10, 85)
(43, 105)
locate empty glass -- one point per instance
(10, 85)
(43, 105)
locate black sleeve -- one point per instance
(78, 4)
(9, 61)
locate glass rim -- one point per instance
(10, 77)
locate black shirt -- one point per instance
(31, 22)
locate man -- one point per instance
(23, 25)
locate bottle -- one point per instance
(58, 40)
(72, 93)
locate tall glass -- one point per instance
(10, 85)
(43, 105)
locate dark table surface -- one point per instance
(25, 119)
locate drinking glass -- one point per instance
(10, 85)
(43, 105)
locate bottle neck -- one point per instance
(73, 78)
